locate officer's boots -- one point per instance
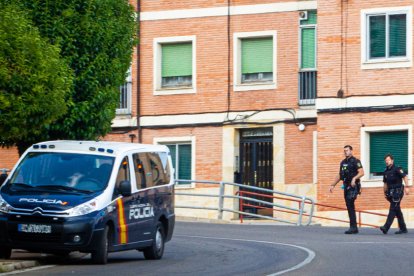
(352, 230)
(384, 229)
(403, 230)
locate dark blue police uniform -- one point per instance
(349, 169)
(393, 177)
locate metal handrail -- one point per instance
(300, 210)
(221, 196)
(360, 212)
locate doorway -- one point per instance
(256, 165)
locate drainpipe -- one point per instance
(228, 58)
(138, 73)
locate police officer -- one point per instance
(350, 172)
(394, 192)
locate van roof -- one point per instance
(99, 147)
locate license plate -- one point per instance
(35, 228)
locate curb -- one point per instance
(237, 221)
(7, 266)
(205, 220)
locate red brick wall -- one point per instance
(299, 154)
(122, 137)
(337, 130)
(8, 157)
(355, 81)
(211, 57)
(208, 142)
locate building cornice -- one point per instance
(232, 118)
(234, 10)
(360, 103)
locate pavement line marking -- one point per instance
(27, 269)
(309, 258)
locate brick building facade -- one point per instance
(222, 81)
(365, 97)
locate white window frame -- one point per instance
(365, 148)
(181, 140)
(237, 39)
(128, 83)
(157, 59)
(397, 62)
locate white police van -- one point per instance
(87, 196)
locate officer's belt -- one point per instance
(395, 186)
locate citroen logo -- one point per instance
(37, 211)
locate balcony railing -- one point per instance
(307, 87)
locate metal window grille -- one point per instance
(125, 92)
(307, 87)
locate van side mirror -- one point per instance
(3, 176)
(125, 188)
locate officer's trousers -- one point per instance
(395, 211)
(350, 205)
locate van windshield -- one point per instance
(62, 171)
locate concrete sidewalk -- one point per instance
(12, 265)
(21, 259)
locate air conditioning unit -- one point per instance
(303, 15)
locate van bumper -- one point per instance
(67, 234)
(170, 230)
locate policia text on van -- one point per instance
(95, 197)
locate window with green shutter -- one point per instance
(181, 159)
(398, 35)
(176, 64)
(382, 143)
(257, 59)
(387, 35)
(308, 48)
(308, 41)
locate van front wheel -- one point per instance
(100, 255)
(156, 250)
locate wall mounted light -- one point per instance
(132, 137)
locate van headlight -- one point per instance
(83, 209)
(4, 206)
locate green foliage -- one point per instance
(97, 39)
(34, 80)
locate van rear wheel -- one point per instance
(156, 250)
(100, 255)
(5, 253)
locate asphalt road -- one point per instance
(233, 249)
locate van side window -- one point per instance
(142, 170)
(123, 174)
(159, 175)
(166, 166)
(140, 175)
